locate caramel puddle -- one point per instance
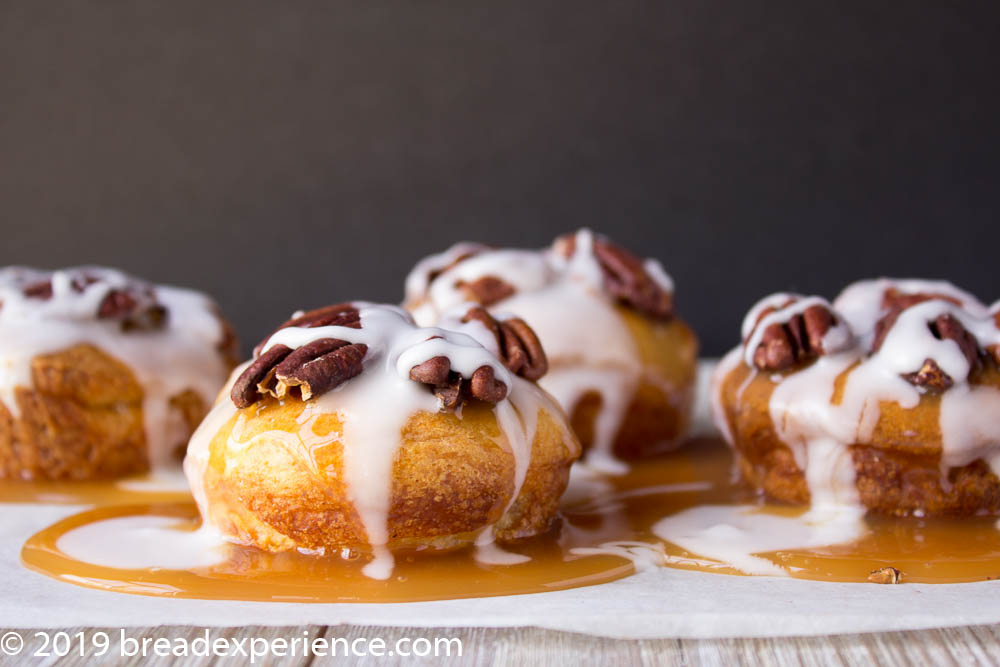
(606, 533)
(250, 574)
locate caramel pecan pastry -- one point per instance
(887, 399)
(353, 428)
(103, 374)
(622, 364)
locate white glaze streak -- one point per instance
(734, 535)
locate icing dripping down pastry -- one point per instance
(572, 295)
(367, 416)
(922, 354)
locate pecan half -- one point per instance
(487, 290)
(625, 277)
(312, 370)
(894, 299)
(134, 305)
(800, 339)
(895, 302)
(930, 375)
(944, 327)
(520, 350)
(452, 388)
(337, 315)
(474, 249)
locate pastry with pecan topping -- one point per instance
(103, 375)
(887, 399)
(622, 364)
(354, 430)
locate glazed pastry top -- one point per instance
(879, 341)
(472, 355)
(929, 333)
(474, 272)
(172, 339)
(572, 293)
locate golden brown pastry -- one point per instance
(887, 399)
(622, 364)
(354, 429)
(102, 375)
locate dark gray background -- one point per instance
(290, 154)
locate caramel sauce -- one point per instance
(603, 511)
(143, 489)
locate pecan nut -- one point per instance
(470, 250)
(800, 339)
(625, 277)
(930, 375)
(894, 302)
(944, 327)
(134, 305)
(895, 299)
(312, 369)
(520, 350)
(337, 315)
(453, 389)
(486, 290)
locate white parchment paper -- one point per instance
(660, 602)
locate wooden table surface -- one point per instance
(527, 646)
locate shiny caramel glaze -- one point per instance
(898, 472)
(658, 415)
(608, 510)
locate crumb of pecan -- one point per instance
(886, 575)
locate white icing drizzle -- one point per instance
(734, 534)
(375, 405)
(860, 303)
(592, 493)
(589, 346)
(644, 555)
(819, 432)
(144, 541)
(181, 355)
(196, 459)
(420, 276)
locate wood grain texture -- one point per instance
(484, 647)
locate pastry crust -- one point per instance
(451, 477)
(898, 472)
(659, 411)
(104, 375)
(82, 419)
